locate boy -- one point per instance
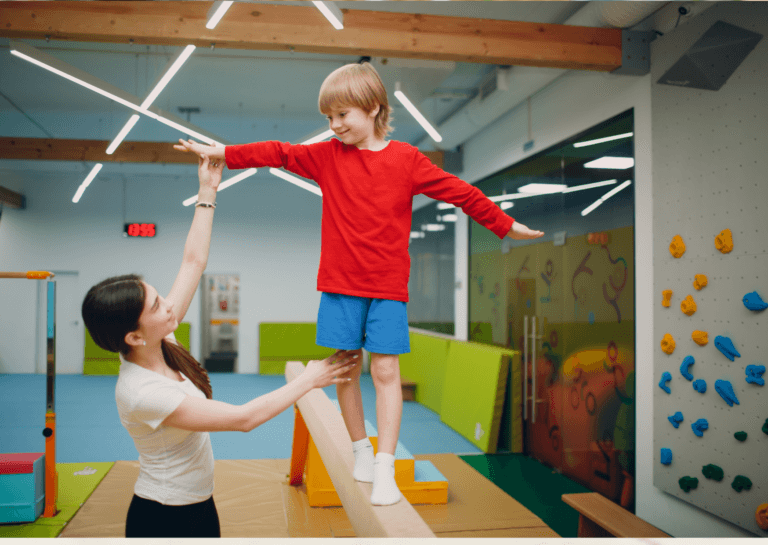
(368, 185)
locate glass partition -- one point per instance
(567, 301)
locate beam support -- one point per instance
(11, 199)
(304, 29)
(326, 426)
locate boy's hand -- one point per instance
(215, 153)
(521, 232)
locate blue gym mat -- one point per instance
(89, 430)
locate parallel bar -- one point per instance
(330, 435)
(32, 275)
(51, 475)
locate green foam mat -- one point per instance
(425, 365)
(72, 493)
(473, 392)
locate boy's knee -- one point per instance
(385, 368)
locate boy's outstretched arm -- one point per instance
(521, 232)
(214, 153)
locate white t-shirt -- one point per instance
(175, 466)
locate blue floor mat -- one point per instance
(89, 430)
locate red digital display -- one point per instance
(146, 230)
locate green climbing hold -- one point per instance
(741, 483)
(765, 427)
(711, 471)
(687, 483)
(741, 436)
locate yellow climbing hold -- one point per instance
(699, 281)
(700, 337)
(724, 241)
(761, 516)
(668, 344)
(667, 295)
(677, 246)
(688, 306)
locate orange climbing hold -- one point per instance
(688, 305)
(699, 281)
(677, 246)
(761, 516)
(668, 344)
(700, 337)
(724, 241)
(667, 295)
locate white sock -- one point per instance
(385, 491)
(363, 450)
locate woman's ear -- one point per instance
(133, 339)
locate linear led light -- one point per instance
(332, 13)
(618, 163)
(122, 134)
(604, 198)
(417, 234)
(218, 9)
(601, 140)
(88, 179)
(296, 181)
(417, 114)
(444, 206)
(233, 180)
(589, 186)
(30, 54)
(542, 189)
(450, 218)
(506, 204)
(433, 227)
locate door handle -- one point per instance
(525, 367)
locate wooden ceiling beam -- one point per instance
(95, 151)
(304, 29)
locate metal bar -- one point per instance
(525, 367)
(533, 371)
(32, 275)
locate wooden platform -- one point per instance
(254, 499)
(600, 517)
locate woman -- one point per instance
(164, 396)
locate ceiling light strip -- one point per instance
(605, 197)
(218, 9)
(332, 13)
(88, 179)
(417, 114)
(601, 140)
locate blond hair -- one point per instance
(357, 85)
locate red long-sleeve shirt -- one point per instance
(367, 208)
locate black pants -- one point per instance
(148, 518)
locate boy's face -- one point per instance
(353, 125)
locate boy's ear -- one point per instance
(375, 111)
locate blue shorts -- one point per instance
(347, 322)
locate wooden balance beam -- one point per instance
(330, 435)
(600, 517)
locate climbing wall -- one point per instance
(710, 402)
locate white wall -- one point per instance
(264, 229)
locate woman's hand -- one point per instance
(329, 371)
(209, 172)
(216, 153)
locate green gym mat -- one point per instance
(533, 484)
(73, 491)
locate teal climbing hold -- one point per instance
(740, 436)
(741, 483)
(666, 456)
(688, 483)
(711, 471)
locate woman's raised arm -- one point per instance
(199, 238)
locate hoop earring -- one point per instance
(145, 343)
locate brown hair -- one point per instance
(357, 85)
(111, 309)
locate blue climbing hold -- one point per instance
(676, 418)
(699, 426)
(755, 374)
(666, 377)
(753, 302)
(725, 345)
(687, 362)
(699, 385)
(666, 456)
(724, 388)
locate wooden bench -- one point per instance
(600, 517)
(409, 389)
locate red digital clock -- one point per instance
(145, 230)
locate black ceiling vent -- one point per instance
(712, 59)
